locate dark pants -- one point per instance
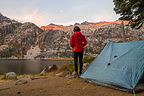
(80, 56)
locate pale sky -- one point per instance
(65, 12)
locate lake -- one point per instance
(25, 66)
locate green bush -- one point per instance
(3, 76)
(88, 59)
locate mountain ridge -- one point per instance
(55, 26)
(24, 39)
(17, 37)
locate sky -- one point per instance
(61, 12)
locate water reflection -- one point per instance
(24, 66)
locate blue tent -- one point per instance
(119, 64)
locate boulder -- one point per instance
(69, 76)
(23, 81)
(11, 76)
(53, 68)
(61, 74)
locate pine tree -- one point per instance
(132, 10)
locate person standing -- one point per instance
(77, 42)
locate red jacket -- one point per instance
(78, 41)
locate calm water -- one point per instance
(26, 66)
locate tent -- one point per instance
(119, 65)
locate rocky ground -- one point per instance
(51, 85)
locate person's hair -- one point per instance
(76, 28)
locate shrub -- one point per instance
(88, 59)
(66, 68)
(3, 76)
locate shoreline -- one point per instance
(52, 59)
(58, 59)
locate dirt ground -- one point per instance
(58, 86)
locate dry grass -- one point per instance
(67, 68)
(3, 79)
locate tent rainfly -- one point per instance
(119, 65)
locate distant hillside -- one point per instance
(103, 23)
(52, 26)
(56, 42)
(17, 37)
(57, 27)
